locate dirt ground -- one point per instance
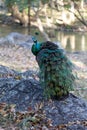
(80, 61)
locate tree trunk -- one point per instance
(29, 1)
(22, 17)
(40, 26)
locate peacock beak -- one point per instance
(34, 39)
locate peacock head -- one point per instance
(36, 46)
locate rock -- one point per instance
(16, 86)
(15, 38)
(68, 110)
(24, 90)
(27, 92)
(23, 93)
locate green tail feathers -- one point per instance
(55, 70)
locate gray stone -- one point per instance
(27, 92)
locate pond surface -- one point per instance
(70, 41)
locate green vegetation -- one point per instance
(34, 12)
(22, 4)
(66, 12)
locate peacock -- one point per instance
(56, 73)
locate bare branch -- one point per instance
(81, 18)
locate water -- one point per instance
(73, 41)
(70, 41)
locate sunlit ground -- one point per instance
(21, 63)
(80, 63)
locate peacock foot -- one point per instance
(62, 97)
